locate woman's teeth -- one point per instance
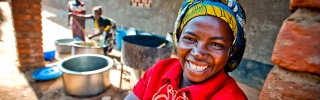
(196, 68)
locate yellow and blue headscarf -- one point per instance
(228, 10)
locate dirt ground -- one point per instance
(53, 90)
(16, 85)
(13, 84)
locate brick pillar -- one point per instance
(296, 56)
(28, 31)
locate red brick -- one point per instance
(23, 55)
(37, 17)
(36, 11)
(35, 35)
(20, 5)
(33, 11)
(22, 28)
(36, 6)
(18, 23)
(16, 11)
(140, 4)
(36, 45)
(304, 3)
(13, 1)
(23, 40)
(144, 1)
(282, 84)
(20, 35)
(36, 1)
(33, 22)
(297, 45)
(21, 17)
(147, 5)
(134, 4)
(22, 46)
(29, 11)
(39, 58)
(39, 40)
(25, 51)
(27, 60)
(137, 1)
(40, 50)
(38, 28)
(36, 55)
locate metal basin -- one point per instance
(143, 51)
(86, 75)
(63, 46)
(86, 48)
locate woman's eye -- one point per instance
(188, 39)
(216, 45)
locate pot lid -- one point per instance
(46, 73)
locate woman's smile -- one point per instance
(196, 68)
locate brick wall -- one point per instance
(296, 55)
(27, 23)
(141, 3)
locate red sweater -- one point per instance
(162, 82)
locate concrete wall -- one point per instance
(264, 19)
(158, 19)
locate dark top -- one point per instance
(103, 21)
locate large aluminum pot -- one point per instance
(142, 51)
(86, 48)
(86, 75)
(64, 46)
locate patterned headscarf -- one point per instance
(228, 10)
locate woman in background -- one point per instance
(106, 26)
(78, 25)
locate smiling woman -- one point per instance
(210, 40)
(204, 47)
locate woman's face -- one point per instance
(97, 14)
(204, 47)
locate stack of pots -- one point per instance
(64, 46)
(74, 47)
(86, 48)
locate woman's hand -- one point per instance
(90, 36)
(70, 13)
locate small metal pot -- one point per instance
(86, 48)
(86, 75)
(63, 46)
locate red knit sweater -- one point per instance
(161, 82)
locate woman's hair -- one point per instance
(97, 8)
(228, 10)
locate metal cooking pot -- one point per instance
(142, 51)
(86, 48)
(63, 46)
(86, 75)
